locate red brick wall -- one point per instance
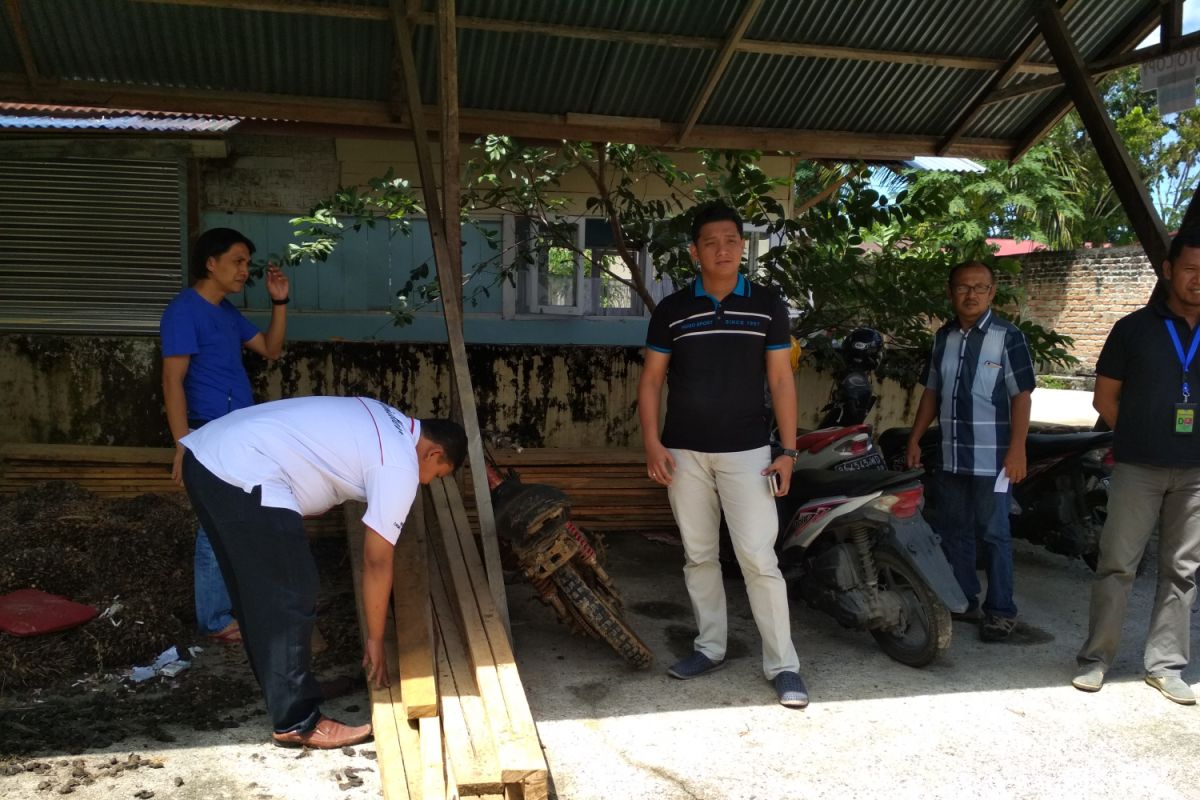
(1081, 293)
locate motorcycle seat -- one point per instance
(1039, 446)
(809, 484)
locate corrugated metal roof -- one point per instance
(253, 54)
(32, 116)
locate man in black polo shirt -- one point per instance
(1147, 386)
(714, 342)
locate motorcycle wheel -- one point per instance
(928, 627)
(601, 617)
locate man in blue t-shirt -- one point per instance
(203, 335)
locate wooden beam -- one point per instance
(452, 311)
(1118, 164)
(519, 751)
(977, 102)
(839, 53)
(724, 57)
(22, 36)
(448, 101)
(1096, 69)
(1172, 25)
(311, 8)
(395, 742)
(365, 118)
(1134, 33)
(413, 618)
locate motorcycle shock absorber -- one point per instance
(586, 553)
(861, 536)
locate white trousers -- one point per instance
(703, 485)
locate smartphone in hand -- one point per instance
(773, 482)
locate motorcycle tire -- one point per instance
(601, 618)
(929, 625)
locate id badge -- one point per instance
(1185, 417)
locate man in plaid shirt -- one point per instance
(978, 385)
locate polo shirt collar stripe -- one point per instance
(741, 288)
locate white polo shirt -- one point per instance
(311, 453)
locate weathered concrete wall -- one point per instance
(1081, 293)
(106, 390)
(289, 174)
(94, 390)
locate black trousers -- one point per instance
(272, 580)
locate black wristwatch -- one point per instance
(282, 302)
(792, 454)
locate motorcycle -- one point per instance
(854, 544)
(1062, 502)
(842, 441)
(533, 521)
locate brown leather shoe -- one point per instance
(327, 734)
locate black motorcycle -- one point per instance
(1062, 502)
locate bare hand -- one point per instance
(1015, 465)
(660, 465)
(912, 455)
(375, 663)
(782, 467)
(177, 465)
(277, 283)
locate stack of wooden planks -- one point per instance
(455, 722)
(106, 471)
(608, 486)
(109, 472)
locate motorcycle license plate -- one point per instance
(870, 461)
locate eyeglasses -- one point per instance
(978, 288)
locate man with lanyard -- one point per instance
(978, 384)
(1147, 382)
(252, 476)
(716, 341)
(203, 336)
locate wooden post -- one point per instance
(1118, 164)
(448, 72)
(451, 310)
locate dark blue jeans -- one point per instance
(273, 582)
(968, 509)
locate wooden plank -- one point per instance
(472, 762)
(470, 746)
(451, 311)
(395, 744)
(433, 765)
(88, 453)
(521, 758)
(414, 620)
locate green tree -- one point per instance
(844, 255)
(1059, 193)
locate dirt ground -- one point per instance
(985, 720)
(73, 723)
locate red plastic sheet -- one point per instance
(30, 612)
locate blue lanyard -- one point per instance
(1185, 361)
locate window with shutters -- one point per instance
(89, 246)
